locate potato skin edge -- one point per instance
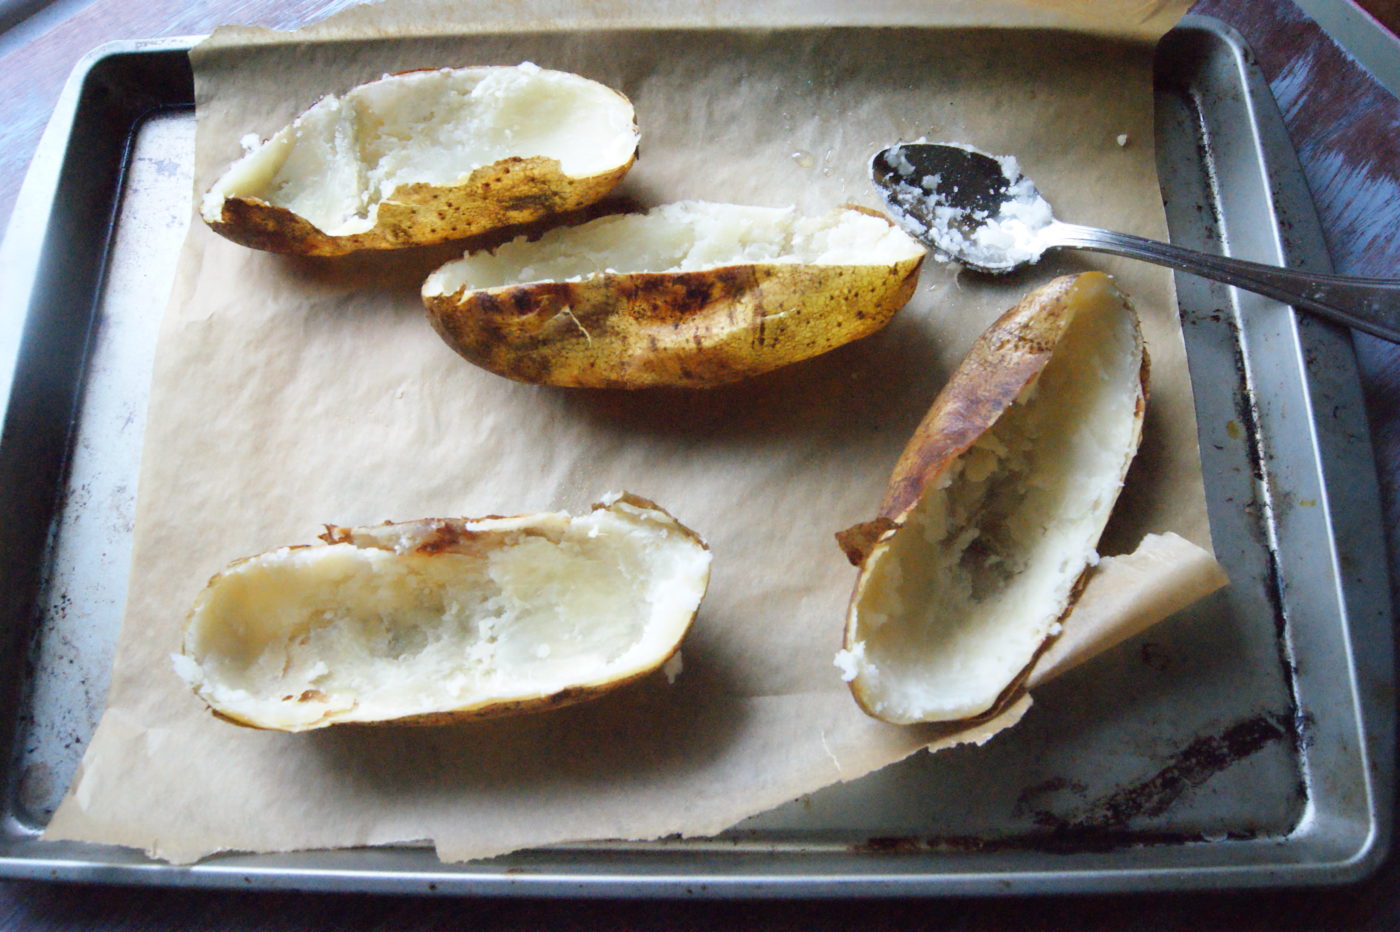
(571, 695)
(506, 193)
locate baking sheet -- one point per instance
(810, 837)
(291, 392)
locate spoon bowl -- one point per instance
(968, 206)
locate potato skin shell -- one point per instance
(686, 329)
(452, 535)
(503, 194)
(1009, 355)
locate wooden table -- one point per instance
(1346, 128)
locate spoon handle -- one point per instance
(1369, 304)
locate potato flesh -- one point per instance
(681, 237)
(360, 633)
(335, 163)
(963, 595)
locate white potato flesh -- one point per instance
(336, 162)
(957, 602)
(685, 236)
(382, 626)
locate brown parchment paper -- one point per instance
(292, 392)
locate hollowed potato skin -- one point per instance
(474, 535)
(683, 329)
(1001, 363)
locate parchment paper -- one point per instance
(289, 393)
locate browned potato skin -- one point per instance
(1004, 359)
(505, 193)
(450, 535)
(689, 329)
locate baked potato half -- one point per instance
(427, 156)
(691, 294)
(429, 622)
(995, 508)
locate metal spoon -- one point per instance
(980, 210)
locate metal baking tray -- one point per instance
(1247, 742)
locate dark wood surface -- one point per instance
(1346, 128)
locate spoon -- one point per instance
(979, 210)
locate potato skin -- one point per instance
(505, 193)
(457, 535)
(687, 329)
(1001, 363)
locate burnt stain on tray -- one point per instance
(1193, 765)
(1105, 824)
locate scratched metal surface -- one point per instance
(1343, 126)
(1188, 758)
(90, 545)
